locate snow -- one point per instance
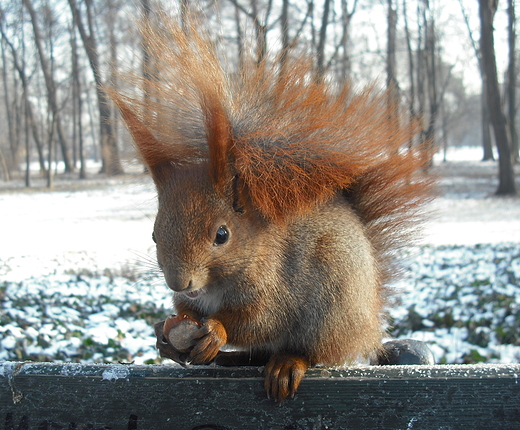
(111, 225)
(115, 372)
(467, 212)
(79, 282)
(473, 221)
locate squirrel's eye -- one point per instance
(222, 235)
(153, 237)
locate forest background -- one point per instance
(450, 64)
(441, 59)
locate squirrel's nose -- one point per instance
(176, 281)
(179, 287)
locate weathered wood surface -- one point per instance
(73, 396)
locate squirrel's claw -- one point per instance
(212, 336)
(283, 374)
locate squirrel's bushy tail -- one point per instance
(288, 140)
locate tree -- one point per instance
(411, 67)
(506, 185)
(13, 137)
(240, 45)
(511, 79)
(412, 73)
(111, 163)
(484, 112)
(346, 19)
(50, 85)
(284, 21)
(260, 25)
(29, 116)
(287, 42)
(78, 103)
(391, 78)
(320, 53)
(430, 57)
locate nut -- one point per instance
(179, 331)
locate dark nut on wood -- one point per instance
(179, 331)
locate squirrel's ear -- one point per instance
(220, 138)
(155, 154)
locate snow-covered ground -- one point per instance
(78, 279)
(466, 211)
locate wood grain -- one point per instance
(74, 396)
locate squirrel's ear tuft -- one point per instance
(160, 156)
(153, 152)
(220, 138)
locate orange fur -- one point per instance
(293, 142)
(316, 184)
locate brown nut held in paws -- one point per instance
(179, 330)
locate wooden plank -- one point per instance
(73, 396)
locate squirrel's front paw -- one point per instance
(211, 337)
(283, 374)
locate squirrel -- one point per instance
(282, 202)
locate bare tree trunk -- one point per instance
(112, 16)
(28, 148)
(29, 117)
(92, 120)
(146, 65)
(284, 21)
(109, 150)
(4, 166)
(421, 71)
(259, 25)
(50, 173)
(240, 46)
(147, 59)
(74, 95)
(411, 72)
(50, 84)
(320, 53)
(287, 43)
(13, 145)
(431, 72)
(313, 36)
(392, 87)
(391, 79)
(76, 86)
(487, 144)
(444, 122)
(27, 110)
(445, 80)
(511, 81)
(506, 186)
(261, 33)
(346, 17)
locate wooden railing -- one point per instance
(73, 396)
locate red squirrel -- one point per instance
(282, 202)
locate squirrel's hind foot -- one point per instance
(283, 374)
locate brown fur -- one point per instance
(313, 185)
